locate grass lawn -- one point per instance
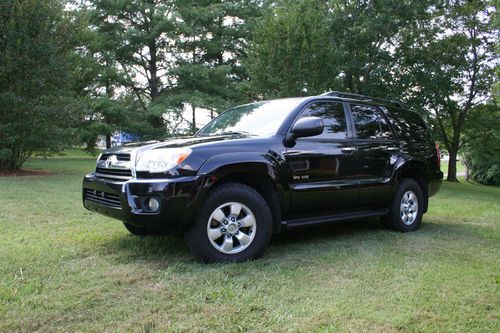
(63, 268)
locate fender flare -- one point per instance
(246, 162)
(224, 164)
(406, 163)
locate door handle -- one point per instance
(348, 150)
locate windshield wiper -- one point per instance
(234, 132)
(226, 133)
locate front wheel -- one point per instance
(407, 207)
(235, 224)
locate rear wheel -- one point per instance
(235, 224)
(407, 207)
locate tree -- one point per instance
(37, 103)
(100, 80)
(450, 65)
(367, 35)
(481, 144)
(291, 53)
(133, 38)
(211, 39)
(308, 47)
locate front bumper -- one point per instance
(124, 200)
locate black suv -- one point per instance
(264, 167)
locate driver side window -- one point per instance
(333, 117)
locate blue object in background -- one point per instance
(120, 138)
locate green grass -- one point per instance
(63, 268)
(71, 154)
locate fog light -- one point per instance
(153, 204)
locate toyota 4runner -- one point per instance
(264, 167)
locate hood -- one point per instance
(172, 143)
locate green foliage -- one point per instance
(451, 68)
(308, 47)
(291, 53)
(137, 65)
(37, 105)
(126, 41)
(482, 147)
(210, 45)
(367, 35)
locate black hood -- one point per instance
(177, 142)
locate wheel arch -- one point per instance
(254, 170)
(417, 171)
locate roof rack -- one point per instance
(364, 98)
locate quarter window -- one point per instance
(333, 119)
(370, 124)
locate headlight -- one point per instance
(161, 160)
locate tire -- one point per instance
(407, 207)
(140, 231)
(234, 224)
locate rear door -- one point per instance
(377, 153)
(322, 168)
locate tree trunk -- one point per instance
(452, 166)
(15, 161)
(348, 81)
(108, 140)
(153, 72)
(193, 125)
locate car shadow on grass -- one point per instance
(169, 250)
(350, 242)
(159, 249)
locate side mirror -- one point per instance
(307, 126)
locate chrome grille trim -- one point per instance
(114, 166)
(101, 175)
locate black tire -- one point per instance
(140, 231)
(399, 219)
(206, 250)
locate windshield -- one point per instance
(262, 118)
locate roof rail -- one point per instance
(364, 98)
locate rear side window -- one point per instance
(410, 126)
(333, 117)
(369, 123)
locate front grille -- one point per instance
(113, 173)
(119, 157)
(114, 166)
(103, 198)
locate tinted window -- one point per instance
(333, 118)
(370, 124)
(410, 126)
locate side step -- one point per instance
(330, 219)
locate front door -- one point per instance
(322, 168)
